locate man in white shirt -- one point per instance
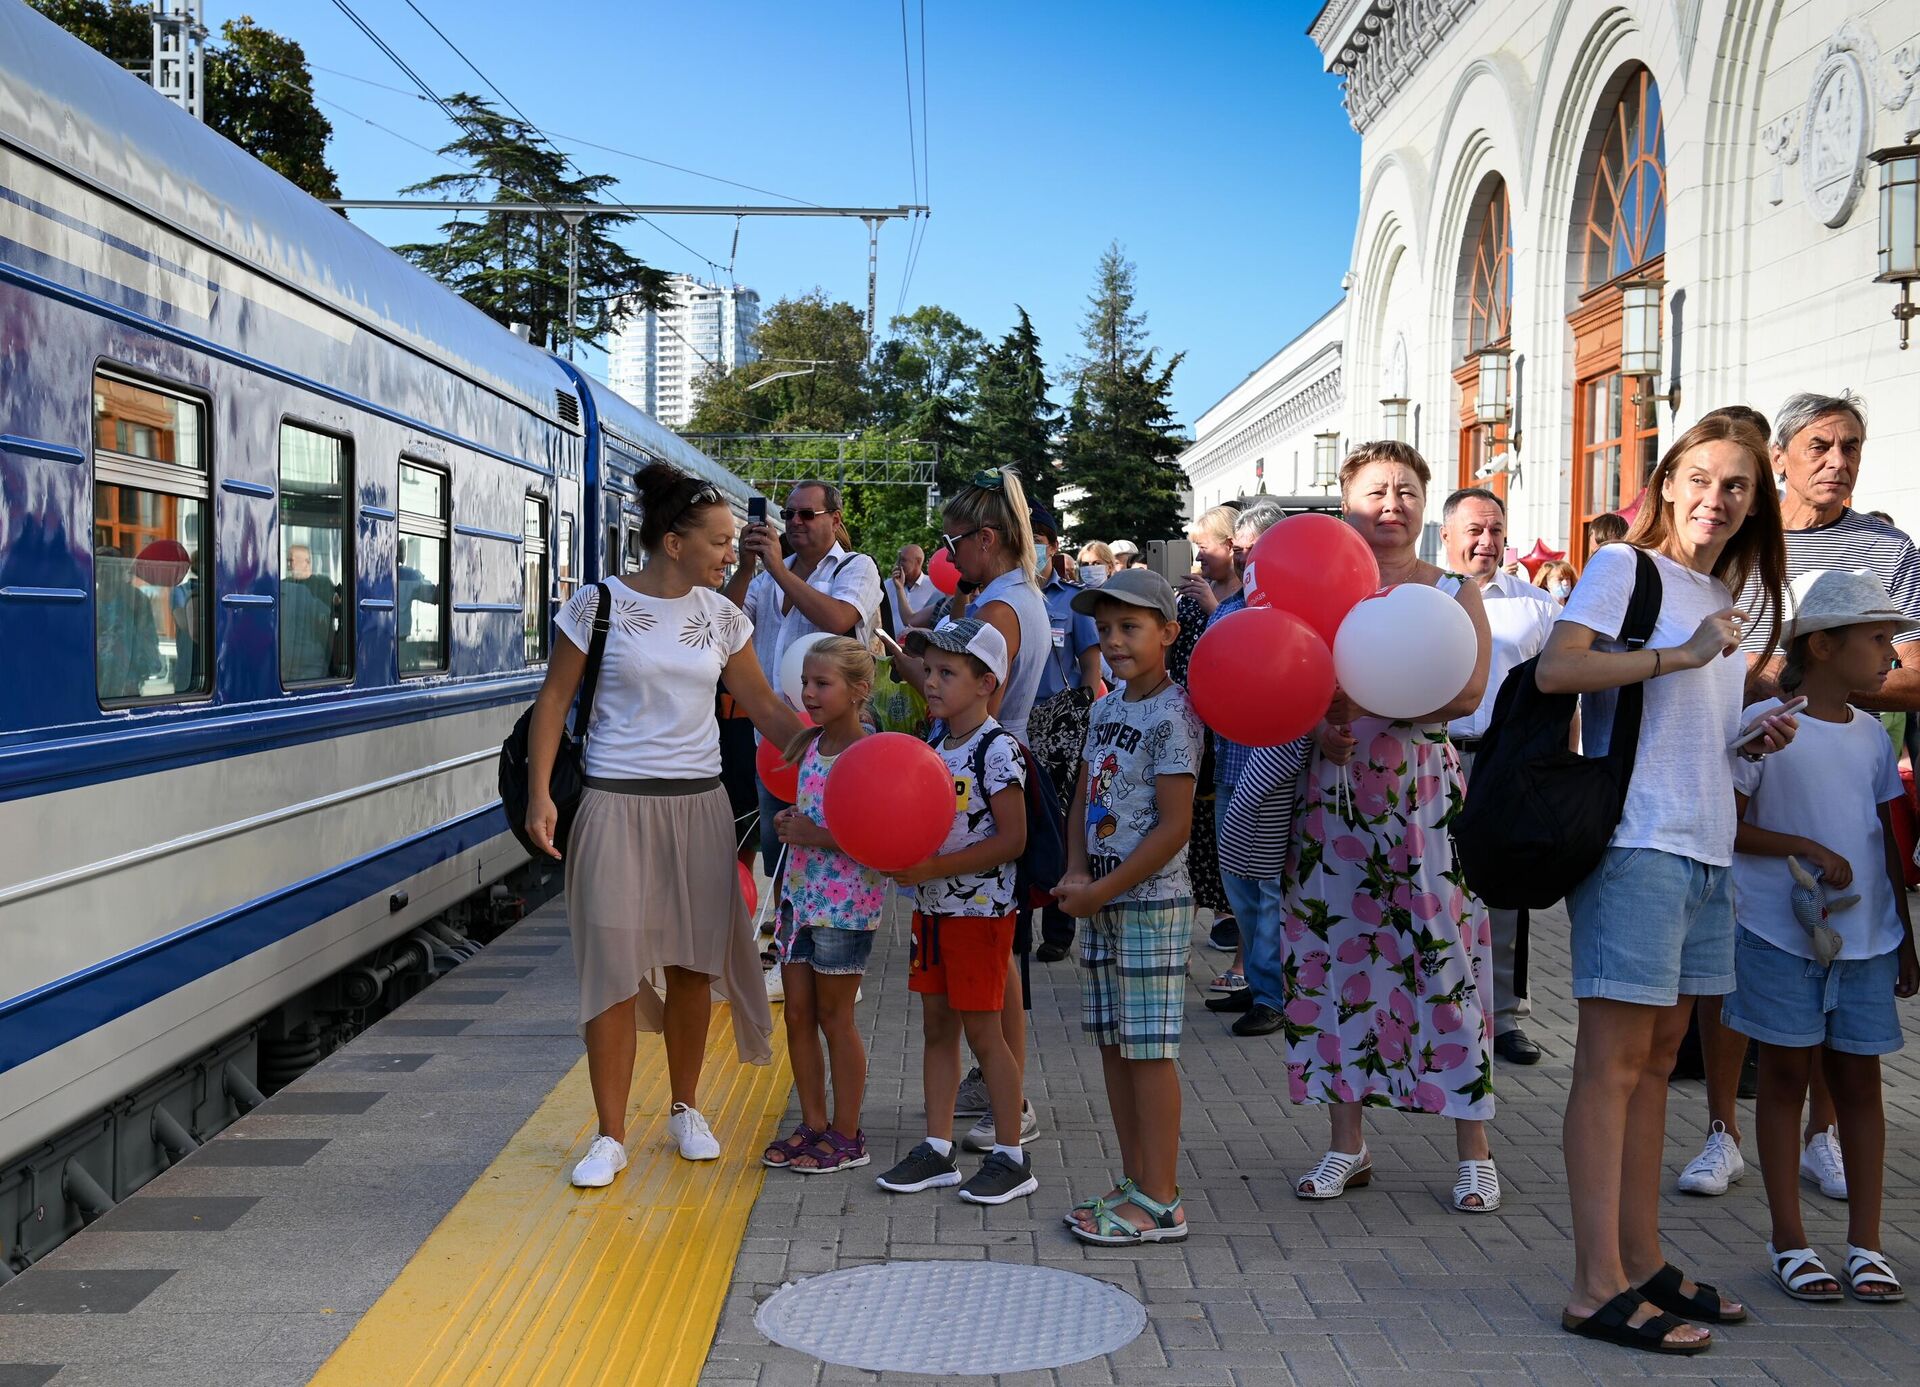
(822, 586)
(1473, 528)
(910, 589)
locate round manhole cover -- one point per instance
(952, 1317)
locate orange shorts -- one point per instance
(963, 958)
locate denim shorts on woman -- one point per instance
(828, 950)
(1651, 927)
(1784, 999)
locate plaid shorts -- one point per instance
(1133, 990)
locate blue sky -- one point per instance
(1203, 136)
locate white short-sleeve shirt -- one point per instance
(852, 578)
(653, 710)
(1681, 797)
(1521, 618)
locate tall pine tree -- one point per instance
(1013, 421)
(512, 266)
(1120, 441)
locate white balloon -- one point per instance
(792, 660)
(1405, 653)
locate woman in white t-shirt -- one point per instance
(1653, 924)
(650, 869)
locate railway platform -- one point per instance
(400, 1215)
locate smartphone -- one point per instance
(893, 646)
(756, 510)
(1758, 729)
(1512, 556)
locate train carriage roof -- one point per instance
(67, 104)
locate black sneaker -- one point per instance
(1261, 1019)
(1224, 935)
(1050, 952)
(1000, 1179)
(923, 1169)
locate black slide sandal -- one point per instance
(1610, 1324)
(1704, 1306)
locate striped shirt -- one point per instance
(1854, 541)
(1256, 828)
(1229, 758)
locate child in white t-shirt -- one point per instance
(1825, 943)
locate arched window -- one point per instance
(1627, 197)
(1490, 275)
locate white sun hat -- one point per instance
(1824, 598)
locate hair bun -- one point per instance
(656, 482)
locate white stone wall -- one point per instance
(1776, 300)
(1260, 435)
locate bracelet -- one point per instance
(1656, 665)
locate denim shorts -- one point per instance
(1651, 927)
(828, 950)
(1784, 999)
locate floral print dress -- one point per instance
(822, 888)
(1388, 955)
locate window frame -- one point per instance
(164, 478)
(349, 554)
(536, 544)
(440, 527)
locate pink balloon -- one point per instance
(1260, 677)
(889, 801)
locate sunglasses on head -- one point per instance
(793, 513)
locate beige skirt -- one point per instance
(652, 883)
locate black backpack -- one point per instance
(1539, 815)
(1044, 860)
(569, 761)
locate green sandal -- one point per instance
(1109, 1230)
(1098, 1202)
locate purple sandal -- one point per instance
(780, 1154)
(841, 1153)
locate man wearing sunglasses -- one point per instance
(822, 586)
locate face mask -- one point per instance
(1561, 591)
(1092, 575)
(1042, 559)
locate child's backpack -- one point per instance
(1539, 815)
(1044, 860)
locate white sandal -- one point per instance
(1477, 1178)
(1335, 1171)
(1798, 1268)
(1874, 1269)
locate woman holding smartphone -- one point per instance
(1653, 924)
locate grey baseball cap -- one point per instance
(968, 636)
(1140, 586)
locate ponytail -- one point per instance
(995, 500)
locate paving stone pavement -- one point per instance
(1386, 1286)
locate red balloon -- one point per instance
(1314, 566)
(940, 568)
(889, 801)
(782, 781)
(1540, 556)
(1260, 677)
(164, 563)
(748, 889)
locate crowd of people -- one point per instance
(1755, 859)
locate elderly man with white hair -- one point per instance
(1817, 445)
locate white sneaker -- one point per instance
(776, 984)
(1822, 1164)
(697, 1142)
(980, 1137)
(1718, 1165)
(605, 1159)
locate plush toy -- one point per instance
(1811, 908)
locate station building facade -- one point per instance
(1585, 223)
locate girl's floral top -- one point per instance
(822, 887)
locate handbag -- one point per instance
(568, 780)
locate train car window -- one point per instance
(316, 556)
(152, 594)
(633, 557)
(420, 583)
(533, 595)
(563, 555)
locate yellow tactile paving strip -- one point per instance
(528, 1280)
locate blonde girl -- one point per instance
(829, 910)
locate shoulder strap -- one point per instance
(1643, 608)
(596, 653)
(980, 755)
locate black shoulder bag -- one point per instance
(1539, 815)
(569, 760)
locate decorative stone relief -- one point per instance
(1904, 64)
(1391, 40)
(1836, 127)
(1781, 139)
(1396, 377)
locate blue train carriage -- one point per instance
(282, 527)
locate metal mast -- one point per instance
(179, 54)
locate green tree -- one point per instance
(1119, 444)
(924, 372)
(512, 266)
(833, 396)
(1013, 421)
(259, 93)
